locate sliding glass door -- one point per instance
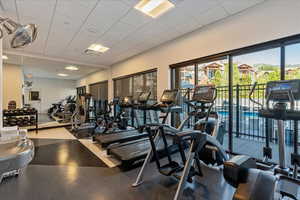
(249, 130)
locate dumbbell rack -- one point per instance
(32, 113)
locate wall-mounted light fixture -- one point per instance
(22, 35)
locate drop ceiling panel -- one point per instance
(102, 19)
(9, 9)
(68, 27)
(136, 18)
(80, 43)
(180, 21)
(48, 69)
(194, 7)
(67, 21)
(28, 12)
(233, 6)
(118, 32)
(212, 15)
(105, 15)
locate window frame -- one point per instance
(277, 43)
(131, 76)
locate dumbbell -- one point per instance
(21, 112)
(12, 122)
(5, 112)
(19, 122)
(5, 122)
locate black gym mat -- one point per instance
(64, 152)
(80, 134)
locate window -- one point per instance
(292, 71)
(249, 131)
(123, 87)
(185, 77)
(81, 90)
(134, 84)
(274, 60)
(99, 91)
(292, 61)
(215, 72)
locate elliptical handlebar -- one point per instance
(211, 100)
(251, 94)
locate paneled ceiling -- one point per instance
(68, 27)
(44, 68)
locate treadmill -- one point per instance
(117, 137)
(133, 152)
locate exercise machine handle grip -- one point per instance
(251, 94)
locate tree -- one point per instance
(269, 76)
(245, 79)
(218, 78)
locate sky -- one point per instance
(271, 56)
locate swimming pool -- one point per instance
(245, 113)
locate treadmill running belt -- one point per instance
(137, 151)
(105, 140)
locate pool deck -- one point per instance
(243, 145)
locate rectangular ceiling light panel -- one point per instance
(96, 49)
(154, 8)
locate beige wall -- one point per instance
(93, 78)
(51, 91)
(12, 84)
(271, 20)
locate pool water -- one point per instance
(250, 114)
(245, 113)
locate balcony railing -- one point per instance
(247, 123)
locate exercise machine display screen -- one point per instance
(169, 96)
(126, 100)
(279, 90)
(144, 96)
(204, 93)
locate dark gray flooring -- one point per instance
(65, 169)
(95, 183)
(64, 152)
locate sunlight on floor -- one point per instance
(55, 133)
(100, 153)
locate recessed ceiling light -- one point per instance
(4, 57)
(72, 68)
(29, 75)
(154, 8)
(64, 75)
(96, 49)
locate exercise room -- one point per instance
(149, 99)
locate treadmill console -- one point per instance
(144, 97)
(126, 101)
(283, 91)
(204, 94)
(169, 96)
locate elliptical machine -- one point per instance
(81, 118)
(280, 106)
(108, 124)
(203, 144)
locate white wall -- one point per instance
(51, 91)
(12, 84)
(271, 20)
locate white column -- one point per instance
(110, 85)
(1, 86)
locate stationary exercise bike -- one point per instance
(280, 106)
(203, 143)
